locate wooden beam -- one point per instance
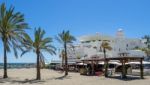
(141, 68)
(106, 68)
(92, 67)
(122, 66)
(123, 69)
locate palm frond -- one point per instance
(12, 26)
(65, 37)
(58, 39)
(42, 60)
(25, 51)
(106, 45)
(40, 43)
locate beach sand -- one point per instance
(50, 77)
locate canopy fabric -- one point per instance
(144, 62)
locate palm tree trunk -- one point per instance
(5, 60)
(66, 60)
(104, 53)
(105, 63)
(38, 76)
(62, 62)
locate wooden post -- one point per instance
(83, 63)
(92, 67)
(123, 69)
(76, 67)
(106, 67)
(141, 68)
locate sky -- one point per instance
(81, 17)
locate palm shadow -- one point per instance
(31, 81)
(128, 78)
(2, 80)
(16, 80)
(63, 77)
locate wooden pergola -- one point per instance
(92, 60)
(122, 58)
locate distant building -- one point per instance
(90, 45)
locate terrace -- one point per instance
(123, 58)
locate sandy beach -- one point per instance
(50, 77)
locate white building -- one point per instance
(90, 45)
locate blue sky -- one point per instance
(82, 17)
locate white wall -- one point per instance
(118, 45)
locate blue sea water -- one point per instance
(18, 65)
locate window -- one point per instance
(127, 45)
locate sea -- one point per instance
(18, 65)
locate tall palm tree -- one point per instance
(38, 45)
(12, 29)
(64, 38)
(105, 45)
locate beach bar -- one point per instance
(123, 58)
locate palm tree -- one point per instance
(105, 45)
(65, 38)
(146, 50)
(12, 29)
(38, 45)
(147, 37)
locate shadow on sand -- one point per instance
(16, 80)
(128, 78)
(28, 81)
(63, 77)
